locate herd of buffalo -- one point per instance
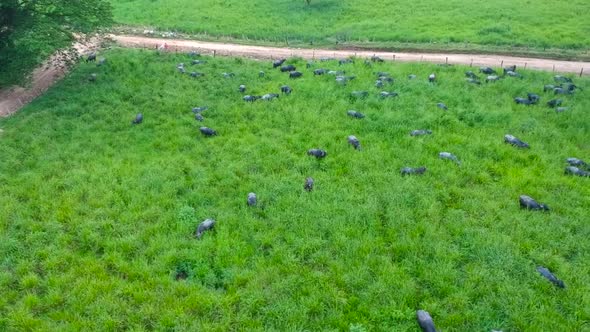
(563, 86)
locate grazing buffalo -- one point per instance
(207, 131)
(200, 109)
(550, 276)
(431, 78)
(554, 102)
(386, 79)
(287, 68)
(413, 171)
(561, 109)
(352, 140)
(91, 57)
(528, 203)
(442, 106)
(206, 225)
(286, 89)
(92, 77)
(295, 74)
(196, 74)
(375, 58)
(138, 119)
(576, 162)
(562, 79)
(515, 141)
(199, 117)
(320, 71)
(449, 156)
(420, 132)
(308, 184)
(548, 87)
(487, 70)
(473, 81)
(242, 88)
(492, 78)
(572, 170)
(471, 74)
(251, 199)
(379, 83)
(534, 98)
(269, 96)
(425, 321)
(318, 153)
(250, 99)
(359, 94)
(522, 101)
(345, 61)
(509, 68)
(355, 114)
(278, 63)
(386, 94)
(560, 91)
(513, 74)
(228, 75)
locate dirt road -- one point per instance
(262, 52)
(13, 99)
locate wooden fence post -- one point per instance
(581, 71)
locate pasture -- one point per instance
(97, 216)
(456, 24)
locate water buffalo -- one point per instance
(554, 102)
(548, 87)
(207, 131)
(345, 61)
(522, 101)
(196, 74)
(92, 77)
(320, 71)
(528, 203)
(252, 199)
(286, 89)
(295, 74)
(250, 99)
(375, 58)
(359, 94)
(473, 81)
(200, 109)
(449, 156)
(572, 170)
(386, 94)
(487, 70)
(420, 132)
(228, 75)
(515, 141)
(550, 276)
(206, 225)
(425, 321)
(471, 74)
(442, 106)
(91, 57)
(431, 78)
(576, 162)
(138, 119)
(413, 171)
(355, 114)
(308, 184)
(379, 83)
(287, 68)
(492, 78)
(534, 98)
(242, 88)
(509, 68)
(199, 117)
(352, 140)
(513, 74)
(318, 153)
(269, 96)
(278, 63)
(562, 79)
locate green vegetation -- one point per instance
(97, 216)
(31, 30)
(544, 24)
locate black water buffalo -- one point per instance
(320, 71)
(269, 96)
(550, 276)
(431, 78)
(420, 132)
(425, 321)
(359, 94)
(199, 117)
(509, 68)
(554, 102)
(515, 141)
(278, 63)
(287, 68)
(250, 99)
(471, 74)
(91, 57)
(522, 101)
(252, 199)
(308, 184)
(355, 114)
(413, 171)
(573, 170)
(387, 94)
(533, 97)
(318, 153)
(295, 74)
(200, 109)
(487, 70)
(449, 156)
(206, 225)
(352, 140)
(207, 131)
(242, 88)
(529, 203)
(138, 119)
(286, 89)
(442, 106)
(576, 162)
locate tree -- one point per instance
(31, 30)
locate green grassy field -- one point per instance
(97, 216)
(542, 24)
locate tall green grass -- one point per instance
(97, 216)
(542, 24)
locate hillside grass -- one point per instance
(508, 23)
(97, 216)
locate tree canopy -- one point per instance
(30, 30)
